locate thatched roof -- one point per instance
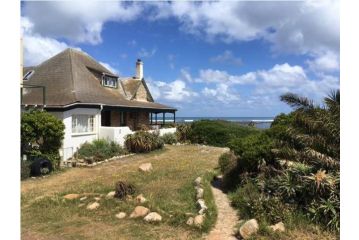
(72, 76)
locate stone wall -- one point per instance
(135, 119)
(115, 119)
(141, 94)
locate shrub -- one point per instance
(142, 142)
(39, 128)
(169, 138)
(25, 169)
(218, 133)
(227, 161)
(100, 149)
(183, 132)
(122, 189)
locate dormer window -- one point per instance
(28, 75)
(109, 81)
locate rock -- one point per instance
(202, 211)
(97, 198)
(121, 215)
(72, 196)
(140, 199)
(111, 194)
(93, 206)
(201, 204)
(153, 217)
(83, 198)
(278, 227)
(145, 167)
(198, 181)
(198, 220)
(190, 221)
(139, 211)
(249, 228)
(199, 194)
(81, 205)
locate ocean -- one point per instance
(259, 122)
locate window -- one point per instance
(83, 123)
(28, 75)
(109, 81)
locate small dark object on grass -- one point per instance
(40, 166)
(123, 189)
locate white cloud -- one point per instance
(77, 21)
(293, 26)
(37, 48)
(226, 57)
(218, 76)
(144, 53)
(109, 67)
(326, 62)
(221, 93)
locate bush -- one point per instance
(142, 142)
(218, 133)
(169, 138)
(227, 161)
(25, 169)
(183, 132)
(100, 150)
(39, 128)
(122, 189)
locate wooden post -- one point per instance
(163, 116)
(156, 118)
(174, 117)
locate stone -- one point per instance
(121, 215)
(201, 204)
(198, 220)
(72, 196)
(93, 206)
(83, 198)
(198, 181)
(81, 205)
(111, 194)
(199, 194)
(97, 198)
(145, 167)
(278, 227)
(153, 217)
(202, 211)
(190, 221)
(139, 211)
(140, 199)
(249, 228)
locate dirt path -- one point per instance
(227, 216)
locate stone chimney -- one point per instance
(139, 69)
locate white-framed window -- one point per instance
(109, 81)
(82, 123)
(28, 75)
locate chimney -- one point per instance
(139, 69)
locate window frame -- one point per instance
(90, 124)
(104, 81)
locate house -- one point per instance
(92, 101)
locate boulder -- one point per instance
(140, 199)
(121, 215)
(249, 228)
(278, 227)
(93, 206)
(111, 194)
(201, 204)
(139, 211)
(198, 181)
(198, 220)
(202, 211)
(199, 194)
(145, 167)
(190, 221)
(72, 196)
(153, 217)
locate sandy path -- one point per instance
(226, 219)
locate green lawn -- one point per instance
(168, 189)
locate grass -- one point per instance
(168, 188)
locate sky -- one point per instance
(207, 59)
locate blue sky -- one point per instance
(205, 58)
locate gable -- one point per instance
(143, 93)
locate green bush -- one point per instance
(169, 138)
(183, 131)
(227, 161)
(218, 133)
(100, 149)
(142, 142)
(25, 169)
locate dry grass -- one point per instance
(168, 188)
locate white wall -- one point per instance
(116, 134)
(72, 141)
